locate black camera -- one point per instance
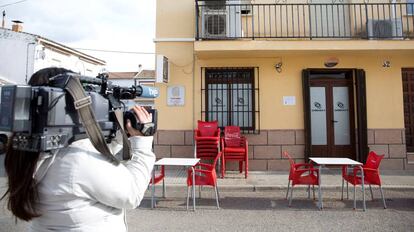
(44, 118)
(145, 128)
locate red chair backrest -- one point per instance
(373, 160)
(207, 129)
(232, 136)
(291, 161)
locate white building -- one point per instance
(22, 54)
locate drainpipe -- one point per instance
(27, 60)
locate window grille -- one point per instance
(231, 96)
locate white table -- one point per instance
(321, 162)
(184, 162)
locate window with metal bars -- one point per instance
(231, 96)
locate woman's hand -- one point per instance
(143, 117)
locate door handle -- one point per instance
(334, 121)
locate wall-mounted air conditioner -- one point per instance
(385, 29)
(221, 19)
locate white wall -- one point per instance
(21, 55)
(46, 57)
(14, 48)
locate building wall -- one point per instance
(46, 56)
(282, 127)
(21, 55)
(14, 50)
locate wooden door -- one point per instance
(332, 117)
(408, 96)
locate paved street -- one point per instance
(264, 210)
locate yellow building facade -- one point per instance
(322, 79)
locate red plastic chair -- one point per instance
(205, 174)
(371, 176)
(301, 174)
(158, 178)
(297, 167)
(207, 139)
(234, 147)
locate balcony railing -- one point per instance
(220, 20)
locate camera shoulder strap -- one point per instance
(87, 117)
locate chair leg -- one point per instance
(313, 188)
(308, 191)
(188, 196)
(342, 190)
(287, 193)
(372, 195)
(217, 197)
(291, 193)
(347, 192)
(383, 198)
(199, 191)
(164, 189)
(246, 168)
(240, 166)
(354, 197)
(223, 166)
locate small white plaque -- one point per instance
(289, 100)
(175, 95)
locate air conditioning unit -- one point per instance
(220, 19)
(385, 29)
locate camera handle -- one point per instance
(82, 104)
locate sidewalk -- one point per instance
(265, 181)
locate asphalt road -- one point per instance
(259, 211)
(263, 211)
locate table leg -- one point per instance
(363, 187)
(320, 204)
(192, 168)
(153, 189)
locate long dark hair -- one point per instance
(20, 165)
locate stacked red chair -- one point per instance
(371, 176)
(205, 175)
(207, 140)
(234, 148)
(301, 174)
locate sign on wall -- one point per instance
(289, 100)
(175, 95)
(162, 69)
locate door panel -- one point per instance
(318, 115)
(341, 116)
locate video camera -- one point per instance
(45, 118)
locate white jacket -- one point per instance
(79, 190)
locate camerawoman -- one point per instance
(61, 162)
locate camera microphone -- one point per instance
(147, 92)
